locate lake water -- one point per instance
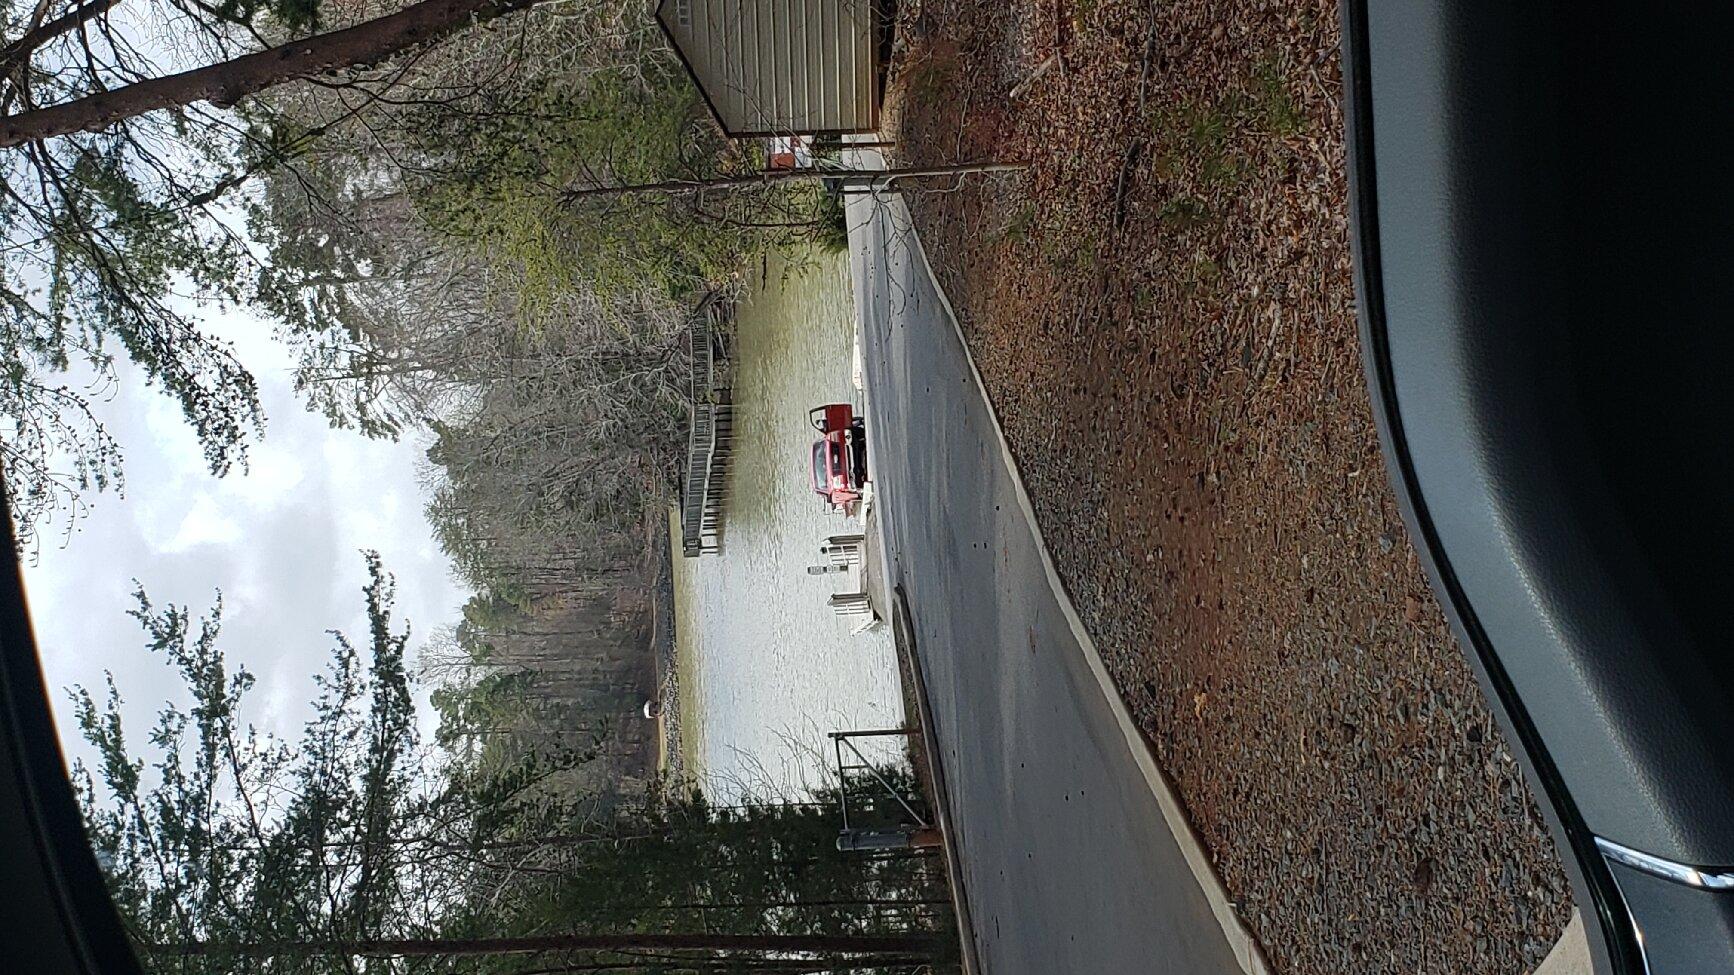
(766, 668)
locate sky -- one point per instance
(281, 540)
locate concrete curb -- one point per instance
(1247, 951)
(1571, 954)
(903, 634)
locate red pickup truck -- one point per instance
(840, 458)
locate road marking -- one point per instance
(1246, 948)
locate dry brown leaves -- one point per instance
(1163, 310)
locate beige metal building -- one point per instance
(782, 67)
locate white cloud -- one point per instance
(205, 523)
(281, 540)
(273, 477)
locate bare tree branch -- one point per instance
(225, 84)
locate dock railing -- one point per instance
(704, 494)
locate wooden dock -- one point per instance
(710, 442)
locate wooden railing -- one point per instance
(704, 495)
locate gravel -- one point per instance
(1163, 311)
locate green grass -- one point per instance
(1017, 228)
(1199, 132)
(1276, 107)
(1207, 127)
(1205, 270)
(1084, 256)
(1070, 253)
(1198, 135)
(1183, 212)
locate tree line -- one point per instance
(357, 846)
(392, 188)
(341, 169)
(401, 192)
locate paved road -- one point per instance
(1068, 864)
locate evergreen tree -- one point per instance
(228, 850)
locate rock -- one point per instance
(1422, 875)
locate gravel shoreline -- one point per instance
(665, 648)
(1163, 312)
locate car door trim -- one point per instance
(1607, 918)
(1700, 877)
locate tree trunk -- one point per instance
(881, 176)
(660, 965)
(903, 944)
(739, 905)
(224, 84)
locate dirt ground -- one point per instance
(1163, 311)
